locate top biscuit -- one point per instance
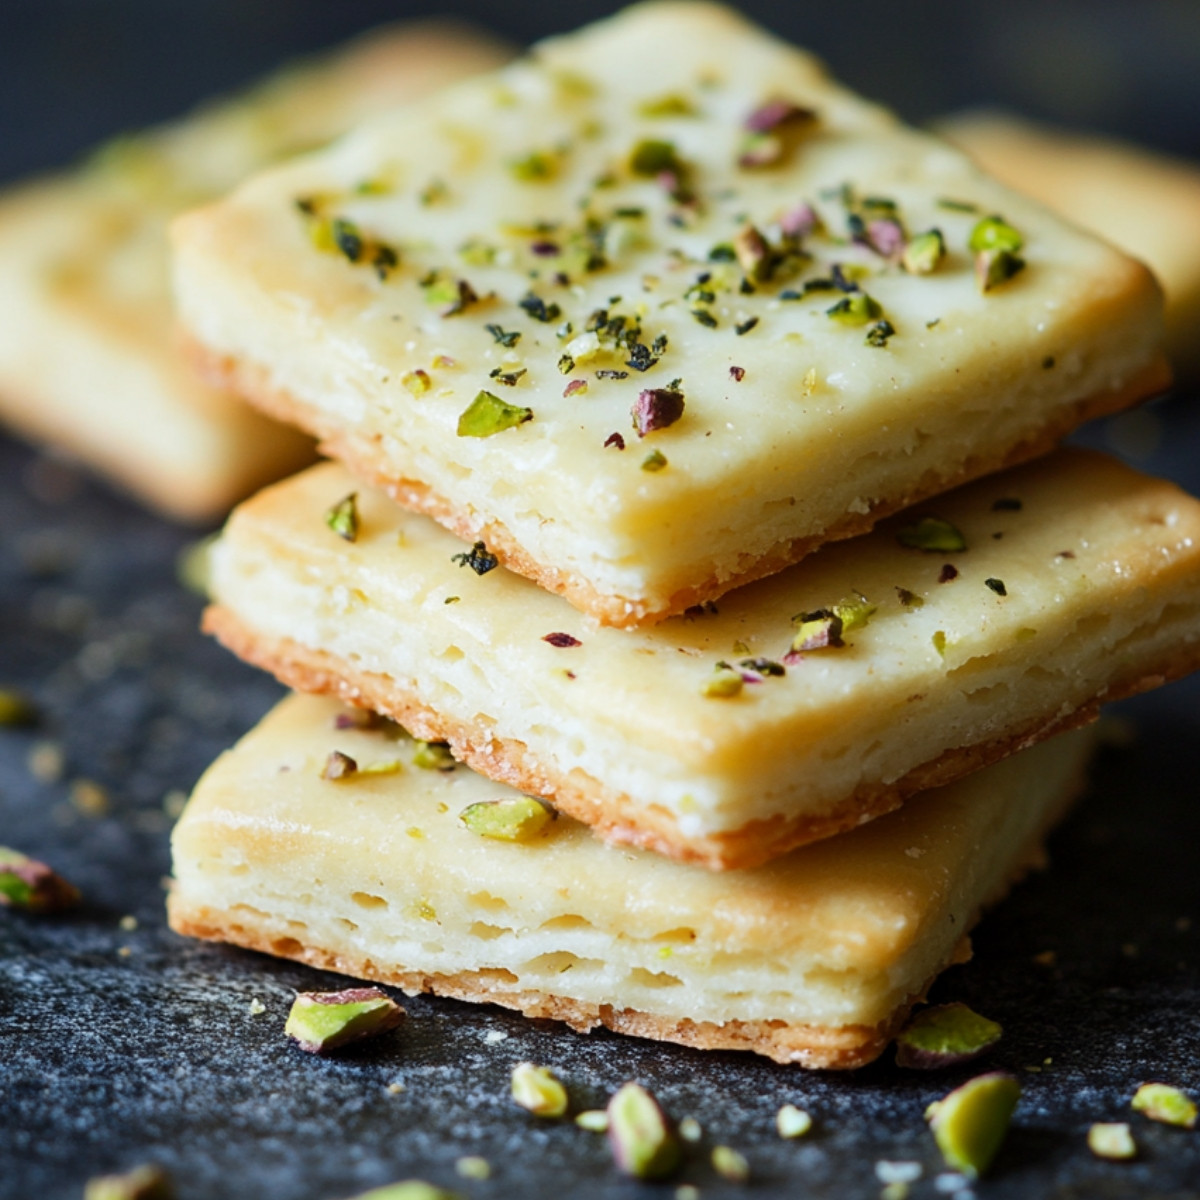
(659, 309)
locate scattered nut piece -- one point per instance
(342, 518)
(472, 1166)
(324, 1021)
(643, 1142)
(28, 884)
(729, 1164)
(1111, 1141)
(689, 1127)
(945, 1036)
(970, 1123)
(256, 1007)
(594, 1120)
(142, 1183)
(338, 766)
(1162, 1102)
(433, 756)
(515, 819)
(410, 1189)
(792, 1122)
(538, 1090)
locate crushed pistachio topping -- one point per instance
(994, 267)
(342, 518)
(945, 1036)
(473, 1166)
(909, 599)
(818, 630)
(792, 1122)
(770, 131)
(504, 337)
(689, 1128)
(32, 886)
(562, 640)
(417, 382)
(323, 1021)
(656, 408)
(933, 535)
(448, 295)
(1111, 1140)
(487, 414)
(670, 105)
(514, 819)
(410, 1189)
(994, 233)
(538, 309)
(997, 586)
(724, 683)
(16, 708)
(970, 1123)
(538, 166)
(654, 461)
(737, 374)
(924, 253)
(538, 1090)
(338, 766)
(479, 558)
(433, 756)
(365, 719)
(652, 157)
(939, 641)
(594, 1120)
(730, 1164)
(1162, 1102)
(147, 1182)
(336, 235)
(643, 1142)
(855, 309)
(879, 333)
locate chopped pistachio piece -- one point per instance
(671, 105)
(339, 766)
(945, 1036)
(994, 233)
(726, 682)
(656, 408)
(1162, 1102)
(323, 1021)
(342, 518)
(142, 1183)
(818, 630)
(689, 1127)
(487, 414)
(32, 886)
(643, 1142)
(1111, 1140)
(855, 613)
(433, 756)
(515, 819)
(535, 167)
(792, 1122)
(970, 1123)
(538, 1090)
(479, 558)
(594, 1120)
(856, 309)
(729, 1164)
(472, 1166)
(656, 460)
(924, 252)
(652, 157)
(931, 534)
(410, 1189)
(994, 267)
(417, 382)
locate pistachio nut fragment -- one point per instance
(724, 683)
(924, 252)
(931, 534)
(792, 1122)
(433, 756)
(994, 233)
(339, 766)
(855, 309)
(817, 630)
(651, 157)
(729, 1164)
(945, 1036)
(970, 1123)
(994, 267)
(854, 614)
(1162, 1102)
(1111, 1140)
(513, 819)
(643, 1141)
(28, 884)
(594, 1120)
(410, 1189)
(342, 518)
(539, 1090)
(142, 1183)
(324, 1021)
(487, 414)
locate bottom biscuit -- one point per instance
(813, 959)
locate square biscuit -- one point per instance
(735, 732)
(580, 310)
(88, 357)
(1145, 202)
(814, 959)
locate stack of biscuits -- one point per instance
(606, 346)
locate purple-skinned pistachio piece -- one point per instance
(323, 1021)
(945, 1036)
(32, 886)
(752, 252)
(642, 1137)
(818, 630)
(970, 1124)
(656, 408)
(774, 113)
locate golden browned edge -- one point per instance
(361, 453)
(615, 816)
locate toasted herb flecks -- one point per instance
(562, 640)
(924, 253)
(142, 1183)
(487, 414)
(479, 558)
(433, 756)
(945, 1036)
(931, 534)
(817, 630)
(538, 1090)
(792, 1122)
(997, 586)
(513, 819)
(342, 518)
(1111, 1140)
(32, 886)
(656, 408)
(323, 1021)
(970, 1123)
(656, 460)
(1162, 1102)
(643, 1140)
(855, 309)
(338, 766)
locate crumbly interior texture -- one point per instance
(812, 959)
(1146, 203)
(582, 219)
(88, 356)
(1080, 583)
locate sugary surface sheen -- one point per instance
(1146, 203)
(88, 355)
(813, 959)
(598, 183)
(1080, 583)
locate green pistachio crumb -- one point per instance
(16, 708)
(387, 766)
(142, 1183)
(994, 233)
(931, 534)
(651, 157)
(939, 641)
(856, 309)
(670, 105)
(513, 819)
(472, 1166)
(880, 333)
(997, 586)
(339, 766)
(410, 1189)
(1111, 1140)
(924, 252)
(854, 614)
(488, 414)
(538, 1090)
(792, 1122)
(643, 1142)
(433, 756)
(909, 599)
(32, 886)
(970, 1123)
(1162, 1102)
(594, 1120)
(818, 630)
(417, 382)
(945, 1036)
(323, 1021)
(656, 460)
(689, 1127)
(342, 518)
(537, 166)
(994, 267)
(504, 337)
(729, 1164)
(725, 683)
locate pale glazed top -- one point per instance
(512, 183)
